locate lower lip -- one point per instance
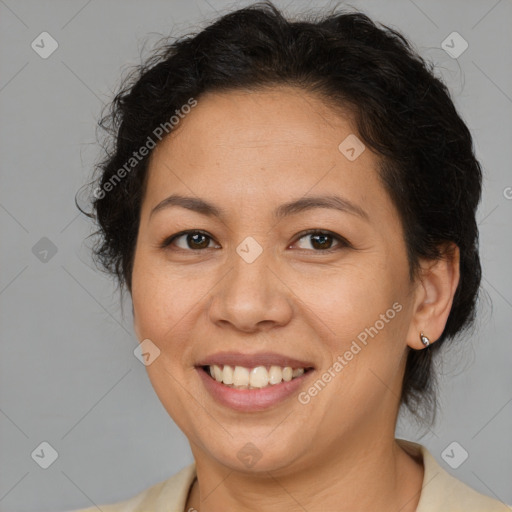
(251, 400)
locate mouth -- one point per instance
(253, 383)
(258, 377)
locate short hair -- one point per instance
(401, 110)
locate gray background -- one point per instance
(68, 373)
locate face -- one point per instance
(250, 280)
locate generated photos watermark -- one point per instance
(159, 132)
(343, 359)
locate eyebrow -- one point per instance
(291, 208)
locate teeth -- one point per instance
(240, 376)
(287, 374)
(275, 375)
(217, 373)
(227, 375)
(250, 378)
(258, 378)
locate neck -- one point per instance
(377, 475)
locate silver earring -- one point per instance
(424, 339)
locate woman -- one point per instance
(291, 206)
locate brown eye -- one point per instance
(197, 241)
(322, 241)
(188, 240)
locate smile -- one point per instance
(259, 377)
(252, 390)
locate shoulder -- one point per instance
(441, 491)
(169, 496)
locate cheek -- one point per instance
(367, 316)
(167, 303)
(155, 303)
(353, 298)
(163, 311)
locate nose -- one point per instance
(251, 297)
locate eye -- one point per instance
(322, 241)
(188, 240)
(319, 240)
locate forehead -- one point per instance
(270, 117)
(280, 142)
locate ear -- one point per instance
(436, 286)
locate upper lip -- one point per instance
(253, 360)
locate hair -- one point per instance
(401, 110)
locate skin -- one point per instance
(249, 153)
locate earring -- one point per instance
(424, 339)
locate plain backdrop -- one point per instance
(69, 377)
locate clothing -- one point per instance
(441, 492)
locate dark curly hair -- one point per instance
(402, 111)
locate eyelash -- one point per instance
(342, 242)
